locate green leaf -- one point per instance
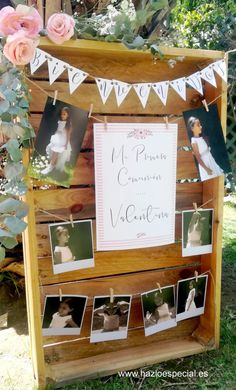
(9, 242)
(7, 129)
(18, 130)
(12, 147)
(4, 106)
(2, 253)
(10, 95)
(159, 4)
(137, 43)
(5, 233)
(15, 225)
(13, 170)
(9, 205)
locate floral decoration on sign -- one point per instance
(140, 133)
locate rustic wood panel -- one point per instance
(43, 240)
(88, 94)
(59, 201)
(126, 359)
(183, 139)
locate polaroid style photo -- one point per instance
(58, 143)
(110, 319)
(197, 232)
(71, 245)
(63, 317)
(207, 141)
(159, 311)
(191, 297)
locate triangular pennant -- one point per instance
(105, 87)
(143, 90)
(179, 85)
(121, 90)
(55, 68)
(76, 77)
(208, 75)
(39, 58)
(161, 90)
(220, 67)
(195, 82)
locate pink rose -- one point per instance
(20, 49)
(60, 27)
(22, 18)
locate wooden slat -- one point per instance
(126, 359)
(43, 240)
(51, 7)
(183, 139)
(87, 94)
(59, 201)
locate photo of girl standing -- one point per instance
(58, 143)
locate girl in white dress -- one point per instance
(62, 252)
(208, 168)
(160, 314)
(59, 149)
(63, 317)
(190, 304)
(195, 230)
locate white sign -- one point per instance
(135, 168)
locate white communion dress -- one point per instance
(207, 158)
(191, 296)
(59, 321)
(163, 313)
(66, 254)
(194, 238)
(58, 144)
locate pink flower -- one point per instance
(22, 18)
(60, 27)
(19, 49)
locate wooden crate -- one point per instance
(63, 359)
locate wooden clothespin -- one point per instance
(90, 110)
(71, 220)
(196, 276)
(166, 119)
(195, 208)
(60, 294)
(204, 102)
(55, 97)
(111, 295)
(105, 122)
(159, 287)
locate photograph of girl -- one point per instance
(197, 232)
(158, 310)
(58, 143)
(71, 246)
(191, 297)
(110, 318)
(207, 142)
(63, 316)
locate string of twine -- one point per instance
(136, 295)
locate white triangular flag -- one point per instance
(195, 82)
(220, 67)
(105, 87)
(39, 58)
(55, 68)
(76, 77)
(161, 90)
(121, 90)
(179, 86)
(208, 75)
(143, 90)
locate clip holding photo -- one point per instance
(204, 102)
(159, 287)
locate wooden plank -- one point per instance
(127, 359)
(84, 170)
(43, 240)
(183, 139)
(51, 7)
(88, 93)
(60, 201)
(32, 287)
(64, 352)
(94, 48)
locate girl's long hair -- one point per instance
(191, 121)
(68, 125)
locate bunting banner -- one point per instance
(121, 89)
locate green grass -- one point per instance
(219, 364)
